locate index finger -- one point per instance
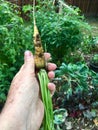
(47, 56)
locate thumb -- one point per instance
(29, 61)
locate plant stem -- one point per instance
(47, 100)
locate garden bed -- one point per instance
(64, 36)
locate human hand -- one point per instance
(24, 109)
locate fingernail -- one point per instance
(27, 54)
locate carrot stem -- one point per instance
(47, 100)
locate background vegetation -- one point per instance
(67, 36)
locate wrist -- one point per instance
(7, 123)
(4, 123)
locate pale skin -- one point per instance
(24, 109)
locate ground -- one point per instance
(94, 23)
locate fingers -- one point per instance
(52, 88)
(29, 66)
(51, 67)
(29, 61)
(47, 56)
(51, 75)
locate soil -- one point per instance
(83, 124)
(94, 23)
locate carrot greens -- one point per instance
(47, 100)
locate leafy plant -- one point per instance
(59, 117)
(76, 87)
(93, 64)
(61, 33)
(90, 45)
(75, 76)
(94, 59)
(6, 74)
(15, 38)
(94, 44)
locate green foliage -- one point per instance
(62, 33)
(77, 88)
(59, 116)
(76, 78)
(27, 8)
(15, 38)
(76, 91)
(13, 33)
(6, 74)
(94, 59)
(90, 45)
